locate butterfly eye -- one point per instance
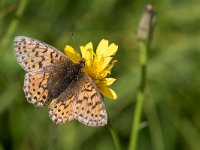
(82, 63)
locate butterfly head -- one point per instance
(82, 63)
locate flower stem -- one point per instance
(140, 96)
(144, 35)
(115, 136)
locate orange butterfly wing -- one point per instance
(32, 54)
(39, 60)
(89, 107)
(61, 111)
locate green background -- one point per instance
(171, 114)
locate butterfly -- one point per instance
(53, 80)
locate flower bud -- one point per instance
(146, 24)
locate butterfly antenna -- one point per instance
(74, 42)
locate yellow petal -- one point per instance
(102, 48)
(103, 55)
(72, 54)
(90, 72)
(108, 92)
(103, 74)
(89, 46)
(111, 65)
(87, 53)
(112, 49)
(96, 66)
(105, 62)
(107, 81)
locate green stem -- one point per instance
(115, 137)
(140, 96)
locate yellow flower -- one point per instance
(97, 65)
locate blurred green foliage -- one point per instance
(171, 116)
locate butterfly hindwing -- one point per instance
(82, 102)
(35, 87)
(61, 111)
(89, 107)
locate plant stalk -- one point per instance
(144, 35)
(140, 96)
(115, 136)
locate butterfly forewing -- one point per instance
(86, 105)
(32, 54)
(41, 61)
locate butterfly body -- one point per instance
(65, 76)
(54, 80)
